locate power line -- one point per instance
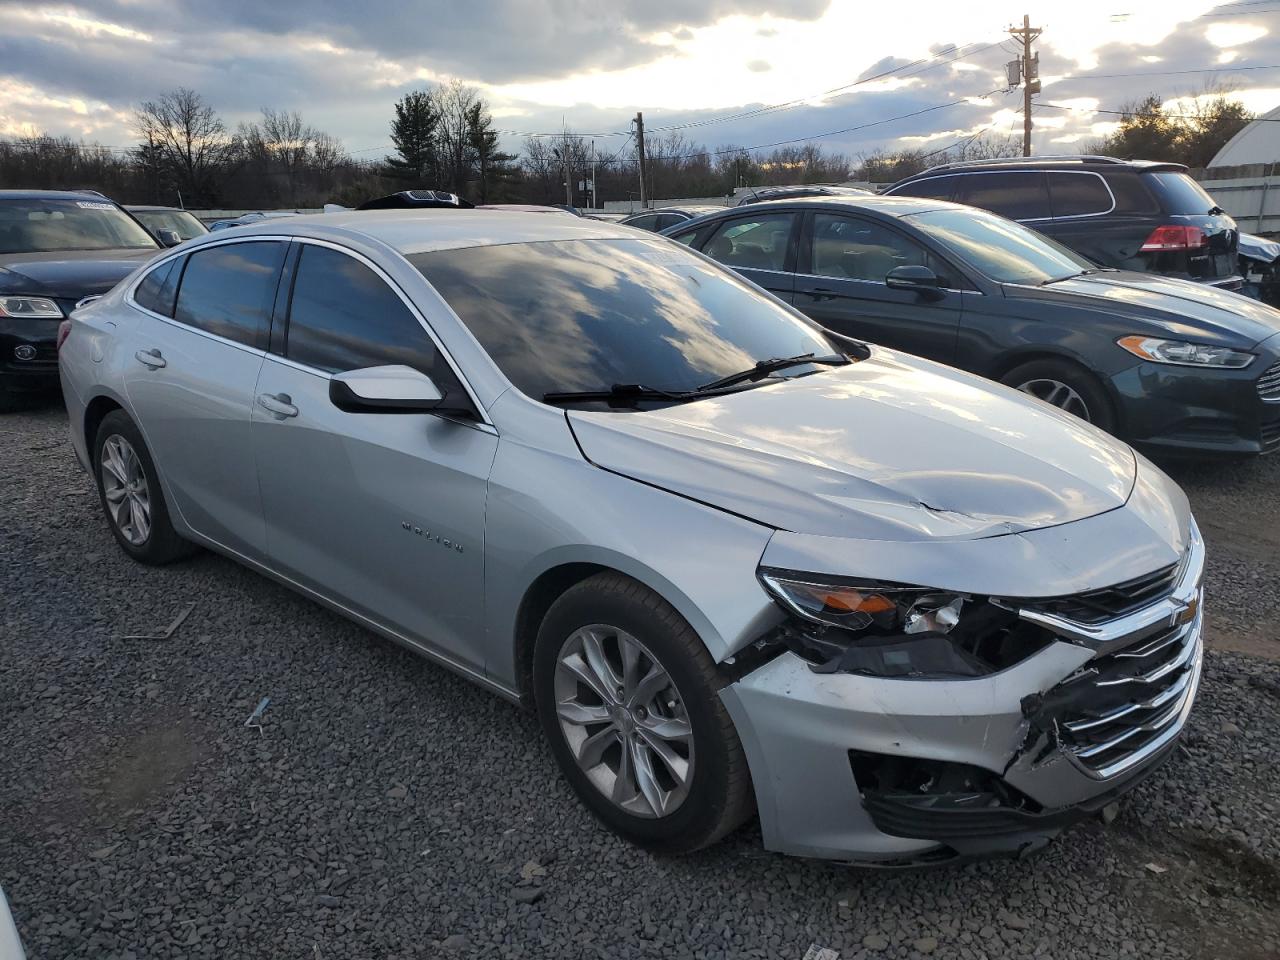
(1225, 68)
(1137, 113)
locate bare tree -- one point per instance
(189, 138)
(455, 101)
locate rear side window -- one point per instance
(669, 220)
(757, 243)
(1018, 195)
(1132, 195)
(1181, 195)
(159, 288)
(936, 188)
(644, 223)
(1078, 194)
(229, 290)
(343, 316)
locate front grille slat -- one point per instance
(1108, 603)
(1269, 384)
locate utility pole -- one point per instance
(644, 203)
(1030, 75)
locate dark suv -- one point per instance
(1130, 214)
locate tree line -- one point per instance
(442, 137)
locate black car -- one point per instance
(1164, 363)
(55, 249)
(180, 224)
(659, 220)
(1130, 214)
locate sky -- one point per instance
(797, 69)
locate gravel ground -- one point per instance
(389, 809)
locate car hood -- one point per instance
(1183, 307)
(68, 274)
(890, 448)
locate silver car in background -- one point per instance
(734, 562)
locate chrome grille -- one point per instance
(1107, 603)
(1269, 384)
(1270, 436)
(1132, 702)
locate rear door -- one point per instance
(381, 512)
(1104, 219)
(844, 261)
(1017, 194)
(197, 350)
(761, 246)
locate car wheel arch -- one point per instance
(1011, 362)
(94, 413)
(553, 582)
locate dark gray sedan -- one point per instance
(1164, 363)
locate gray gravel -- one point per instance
(389, 809)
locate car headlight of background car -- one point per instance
(35, 308)
(1185, 353)
(897, 630)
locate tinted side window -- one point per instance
(938, 188)
(644, 223)
(853, 249)
(669, 220)
(1078, 194)
(229, 290)
(758, 243)
(159, 288)
(343, 316)
(1016, 195)
(1132, 195)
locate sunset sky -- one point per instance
(691, 65)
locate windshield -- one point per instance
(40, 226)
(180, 222)
(580, 315)
(1003, 250)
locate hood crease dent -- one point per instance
(889, 448)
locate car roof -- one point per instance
(1058, 162)
(152, 208)
(423, 230)
(869, 203)
(52, 195)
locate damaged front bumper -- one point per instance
(900, 770)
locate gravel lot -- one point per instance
(389, 809)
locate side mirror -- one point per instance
(912, 277)
(390, 389)
(168, 238)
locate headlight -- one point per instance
(1184, 353)
(854, 606)
(896, 630)
(35, 308)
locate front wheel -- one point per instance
(627, 696)
(1064, 385)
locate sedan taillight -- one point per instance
(1174, 237)
(64, 331)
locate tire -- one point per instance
(716, 796)
(130, 478)
(1090, 402)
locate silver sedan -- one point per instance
(735, 563)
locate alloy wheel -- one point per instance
(1058, 394)
(624, 721)
(124, 486)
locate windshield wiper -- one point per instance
(619, 395)
(763, 368)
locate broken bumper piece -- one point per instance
(897, 771)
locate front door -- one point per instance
(381, 512)
(841, 285)
(760, 246)
(197, 349)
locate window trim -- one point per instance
(382, 275)
(1048, 192)
(217, 338)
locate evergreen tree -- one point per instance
(414, 133)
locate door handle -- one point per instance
(280, 404)
(821, 293)
(151, 358)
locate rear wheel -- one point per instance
(1066, 386)
(130, 493)
(627, 696)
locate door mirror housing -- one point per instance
(912, 277)
(168, 238)
(390, 389)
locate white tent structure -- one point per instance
(1259, 142)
